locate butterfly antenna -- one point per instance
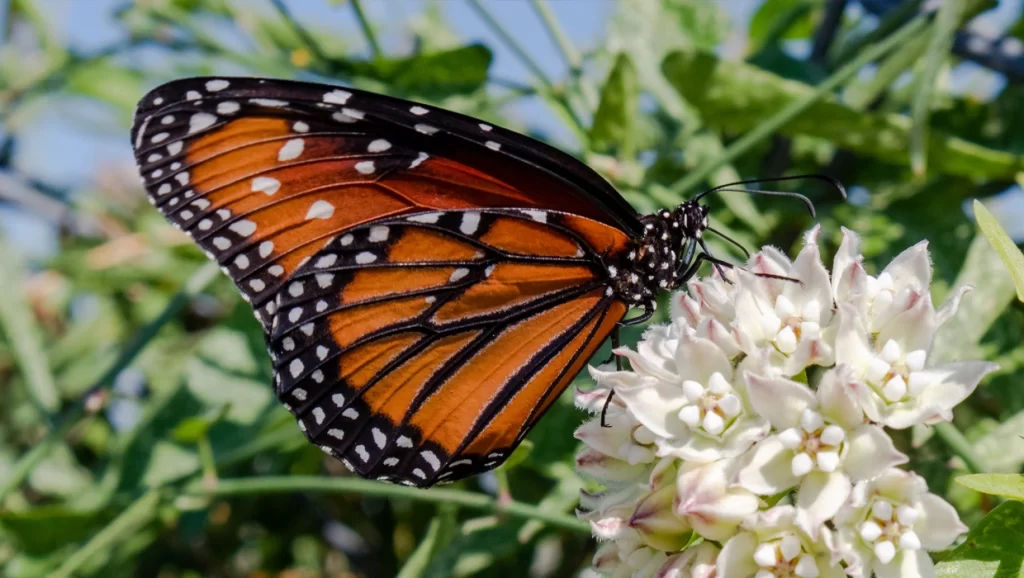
(728, 187)
(746, 253)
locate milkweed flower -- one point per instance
(748, 437)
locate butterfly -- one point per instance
(428, 284)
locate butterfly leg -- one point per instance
(618, 367)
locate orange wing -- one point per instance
(422, 348)
(428, 283)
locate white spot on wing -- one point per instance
(418, 110)
(296, 367)
(470, 222)
(428, 218)
(363, 454)
(291, 149)
(493, 145)
(419, 160)
(425, 129)
(458, 274)
(378, 234)
(326, 261)
(365, 258)
(365, 167)
(199, 121)
(243, 227)
(267, 185)
(403, 442)
(218, 84)
(337, 97)
(273, 103)
(266, 247)
(320, 210)
(378, 146)
(227, 107)
(431, 459)
(379, 438)
(539, 216)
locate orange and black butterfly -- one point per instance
(428, 284)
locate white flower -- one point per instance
(722, 406)
(889, 523)
(712, 506)
(790, 316)
(684, 390)
(880, 299)
(893, 380)
(822, 445)
(771, 544)
(695, 562)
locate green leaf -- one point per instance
(982, 269)
(993, 547)
(939, 45)
(765, 21)
(44, 529)
(1003, 244)
(24, 334)
(1005, 485)
(615, 119)
(439, 533)
(436, 74)
(739, 98)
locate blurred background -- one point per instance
(119, 351)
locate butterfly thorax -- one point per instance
(653, 261)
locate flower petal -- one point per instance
(736, 560)
(656, 522)
(655, 404)
(852, 346)
(939, 525)
(949, 308)
(870, 452)
(778, 400)
(848, 256)
(911, 268)
(914, 327)
(836, 400)
(819, 498)
(698, 358)
(814, 282)
(907, 564)
(766, 468)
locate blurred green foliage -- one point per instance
(139, 435)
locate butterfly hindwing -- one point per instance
(431, 369)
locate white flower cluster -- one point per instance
(749, 438)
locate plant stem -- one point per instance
(280, 484)
(547, 89)
(300, 31)
(956, 442)
(770, 126)
(130, 520)
(569, 52)
(512, 43)
(939, 45)
(64, 422)
(367, 28)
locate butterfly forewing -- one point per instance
(428, 283)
